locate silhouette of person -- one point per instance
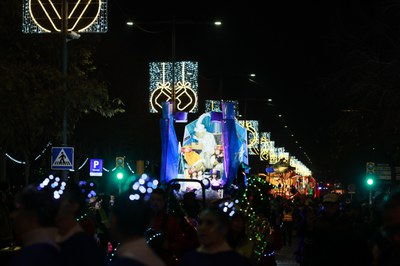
(386, 245)
(213, 230)
(78, 247)
(178, 235)
(130, 220)
(62, 158)
(331, 237)
(34, 227)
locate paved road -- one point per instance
(285, 256)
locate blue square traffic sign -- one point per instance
(62, 158)
(96, 167)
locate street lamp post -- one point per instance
(173, 52)
(370, 182)
(64, 32)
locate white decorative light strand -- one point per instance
(15, 160)
(37, 157)
(44, 150)
(79, 168)
(130, 169)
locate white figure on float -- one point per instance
(204, 141)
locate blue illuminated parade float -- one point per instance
(213, 147)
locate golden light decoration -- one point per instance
(273, 155)
(162, 79)
(252, 137)
(265, 143)
(45, 16)
(215, 106)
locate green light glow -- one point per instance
(120, 175)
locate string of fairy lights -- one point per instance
(259, 228)
(12, 158)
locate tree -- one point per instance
(364, 90)
(32, 91)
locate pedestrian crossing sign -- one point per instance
(62, 158)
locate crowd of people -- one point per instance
(39, 228)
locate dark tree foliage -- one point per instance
(34, 91)
(364, 91)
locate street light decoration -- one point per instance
(273, 153)
(253, 136)
(265, 145)
(215, 106)
(45, 16)
(167, 84)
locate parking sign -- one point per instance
(96, 167)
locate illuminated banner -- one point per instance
(252, 136)
(282, 154)
(185, 82)
(215, 106)
(45, 16)
(265, 145)
(273, 154)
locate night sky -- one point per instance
(291, 47)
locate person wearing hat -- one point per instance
(329, 237)
(330, 205)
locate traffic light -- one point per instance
(120, 174)
(119, 162)
(370, 183)
(370, 168)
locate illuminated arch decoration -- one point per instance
(273, 154)
(186, 85)
(265, 143)
(252, 137)
(215, 106)
(282, 154)
(45, 16)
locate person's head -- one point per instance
(200, 130)
(331, 204)
(219, 149)
(189, 198)
(158, 199)
(215, 174)
(391, 217)
(353, 210)
(34, 209)
(213, 226)
(130, 218)
(72, 202)
(194, 174)
(238, 222)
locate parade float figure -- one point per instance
(201, 154)
(204, 142)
